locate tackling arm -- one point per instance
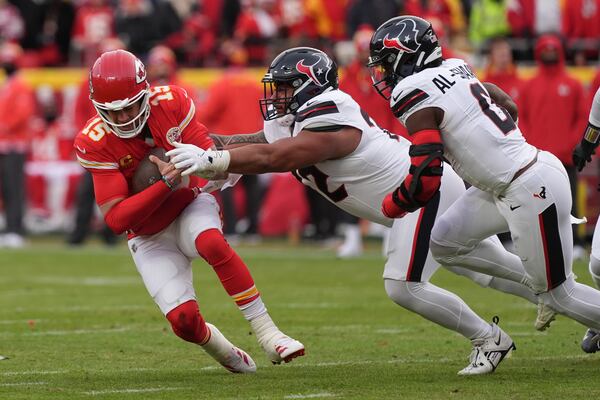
(591, 137)
(227, 141)
(424, 177)
(307, 148)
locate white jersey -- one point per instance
(358, 182)
(481, 141)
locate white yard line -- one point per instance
(33, 372)
(22, 384)
(143, 390)
(309, 396)
(87, 281)
(20, 321)
(78, 332)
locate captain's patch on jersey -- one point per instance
(327, 107)
(408, 101)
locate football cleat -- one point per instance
(488, 352)
(591, 341)
(232, 358)
(281, 348)
(545, 316)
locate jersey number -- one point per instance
(320, 180)
(159, 93)
(96, 130)
(495, 113)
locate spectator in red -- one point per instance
(94, 23)
(17, 109)
(553, 110)
(161, 67)
(581, 27)
(328, 17)
(12, 27)
(501, 71)
(529, 18)
(255, 26)
(195, 42)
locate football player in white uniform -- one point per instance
(321, 134)
(515, 186)
(581, 155)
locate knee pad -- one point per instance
(595, 270)
(213, 247)
(187, 323)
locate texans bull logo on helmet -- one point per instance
(405, 39)
(317, 71)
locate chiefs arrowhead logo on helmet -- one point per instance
(140, 71)
(406, 39)
(317, 71)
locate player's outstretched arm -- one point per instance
(307, 148)
(502, 98)
(425, 173)
(591, 136)
(228, 141)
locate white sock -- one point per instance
(253, 309)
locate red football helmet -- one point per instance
(118, 80)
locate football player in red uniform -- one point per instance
(170, 222)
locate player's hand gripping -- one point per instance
(191, 159)
(170, 175)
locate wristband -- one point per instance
(219, 160)
(591, 134)
(167, 182)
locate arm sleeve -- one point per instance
(134, 210)
(167, 213)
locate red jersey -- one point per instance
(113, 160)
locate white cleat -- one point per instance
(488, 352)
(281, 348)
(229, 356)
(545, 316)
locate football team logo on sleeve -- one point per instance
(317, 71)
(174, 135)
(405, 39)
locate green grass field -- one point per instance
(78, 324)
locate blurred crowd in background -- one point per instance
(44, 190)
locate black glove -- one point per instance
(583, 154)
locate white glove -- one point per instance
(194, 160)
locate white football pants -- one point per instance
(535, 208)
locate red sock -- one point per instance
(231, 270)
(188, 324)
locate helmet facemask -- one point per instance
(274, 106)
(383, 76)
(138, 122)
